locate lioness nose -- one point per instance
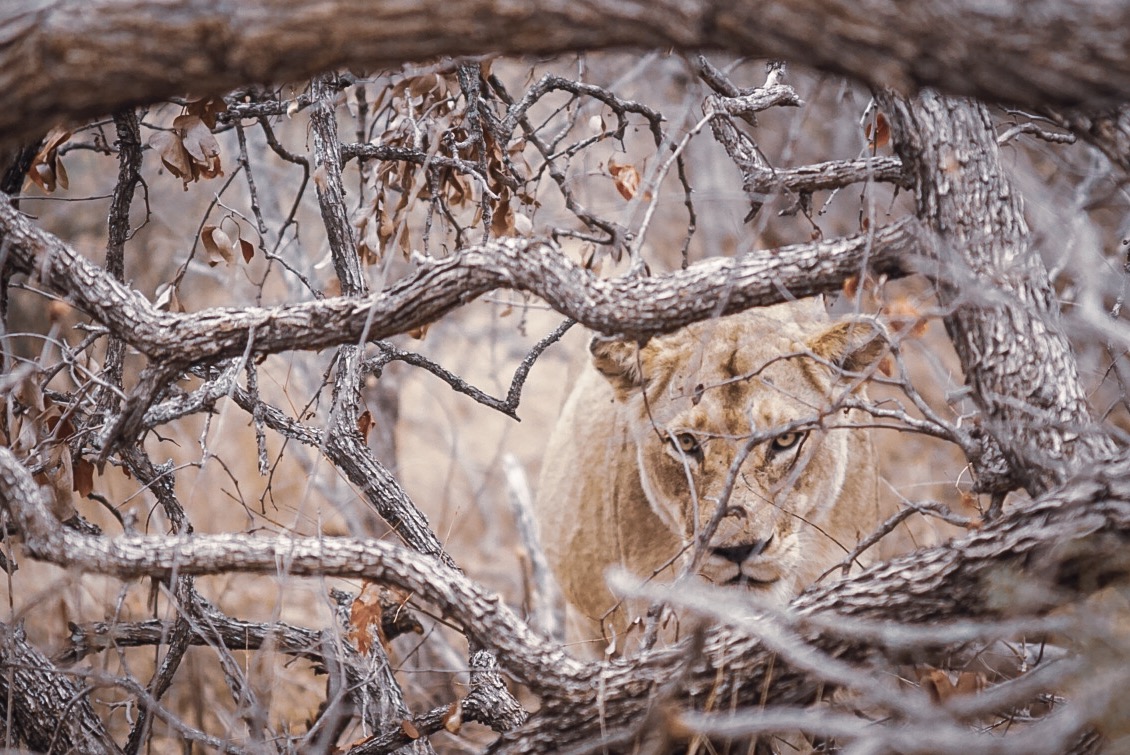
(739, 553)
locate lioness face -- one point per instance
(741, 413)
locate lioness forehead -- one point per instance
(719, 370)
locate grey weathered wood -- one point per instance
(64, 59)
(1002, 312)
(1067, 545)
(50, 709)
(636, 307)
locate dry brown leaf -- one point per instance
(851, 286)
(365, 423)
(61, 175)
(882, 131)
(55, 138)
(365, 618)
(247, 248)
(200, 144)
(626, 178)
(46, 170)
(173, 155)
(218, 246)
(165, 297)
(420, 332)
(206, 109)
(459, 191)
(83, 473)
(409, 729)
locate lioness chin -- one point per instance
(747, 410)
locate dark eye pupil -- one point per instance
(685, 443)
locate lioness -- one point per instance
(644, 447)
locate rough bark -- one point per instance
(50, 711)
(635, 307)
(61, 59)
(77, 59)
(1002, 313)
(1067, 545)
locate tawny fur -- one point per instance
(616, 491)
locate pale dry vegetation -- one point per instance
(435, 183)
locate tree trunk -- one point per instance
(1002, 313)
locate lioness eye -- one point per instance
(686, 443)
(785, 441)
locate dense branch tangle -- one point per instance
(1068, 541)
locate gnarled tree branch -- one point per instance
(83, 58)
(636, 307)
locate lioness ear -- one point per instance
(619, 362)
(853, 344)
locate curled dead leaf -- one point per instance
(626, 178)
(46, 170)
(218, 246)
(206, 109)
(365, 423)
(247, 248)
(200, 143)
(166, 298)
(83, 473)
(189, 150)
(174, 156)
(882, 131)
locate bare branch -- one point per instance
(637, 307)
(50, 712)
